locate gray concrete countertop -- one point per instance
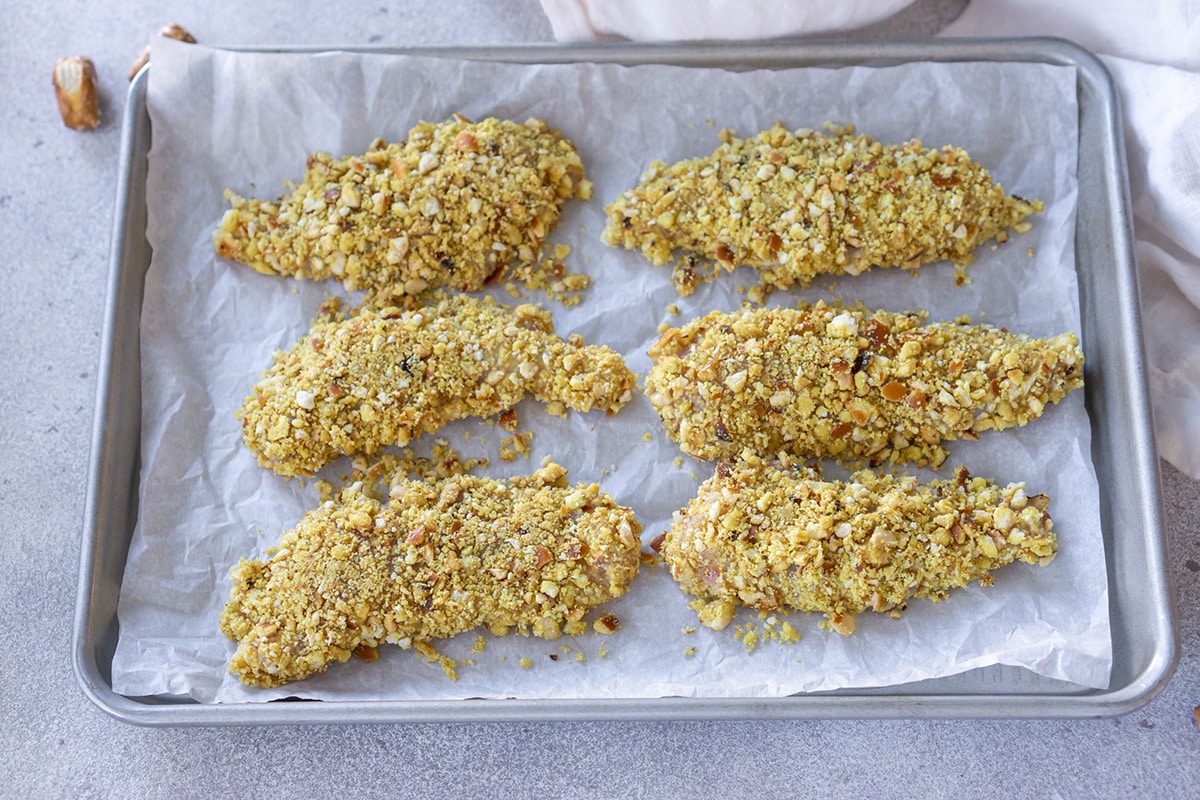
(56, 207)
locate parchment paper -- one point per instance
(209, 327)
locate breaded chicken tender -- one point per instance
(770, 538)
(385, 376)
(450, 207)
(531, 555)
(849, 383)
(800, 204)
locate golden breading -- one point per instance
(849, 383)
(531, 554)
(767, 538)
(798, 205)
(450, 207)
(384, 376)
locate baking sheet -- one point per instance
(248, 120)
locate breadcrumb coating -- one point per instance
(849, 383)
(800, 204)
(385, 376)
(770, 538)
(452, 206)
(531, 554)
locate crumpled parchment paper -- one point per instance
(247, 121)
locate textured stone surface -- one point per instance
(56, 203)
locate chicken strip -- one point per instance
(798, 205)
(769, 538)
(384, 376)
(849, 383)
(450, 207)
(531, 554)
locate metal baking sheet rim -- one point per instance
(1145, 646)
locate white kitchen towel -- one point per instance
(661, 20)
(1152, 50)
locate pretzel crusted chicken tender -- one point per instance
(798, 205)
(849, 383)
(450, 207)
(768, 538)
(531, 554)
(384, 376)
